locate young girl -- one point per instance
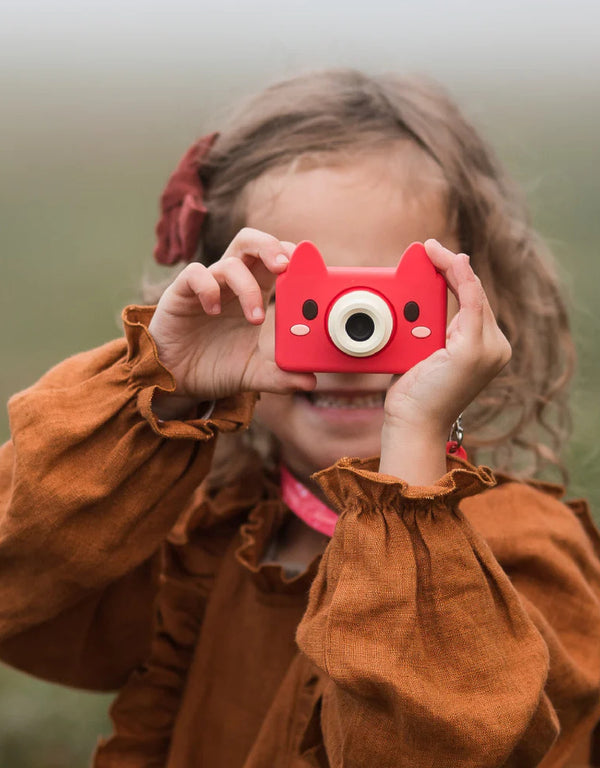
(450, 617)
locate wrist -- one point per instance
(416, 455)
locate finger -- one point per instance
(196, 280)
(489, 344)
(251, 244)
(465, 285)
(289, 247)
(471, 299)
(452, 326)
(444, 260)
(274, 379)
(447, 262)
(463, 272)
(234, 274)
(497, 347)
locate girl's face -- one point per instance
(360, 214)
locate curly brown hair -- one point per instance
(521, 421)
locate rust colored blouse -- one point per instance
(453, 625)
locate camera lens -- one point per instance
(360, 327)
(360, 323)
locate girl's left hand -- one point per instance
(431, 395)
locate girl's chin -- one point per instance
(327, 458)
(332, 432)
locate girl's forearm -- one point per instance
(416, 456)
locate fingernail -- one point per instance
(215, 309)
(281, 259)
(257, 313)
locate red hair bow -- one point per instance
(182, 207)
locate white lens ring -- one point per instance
(367, 303)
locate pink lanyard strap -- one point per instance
(305, 504)
(312, 510)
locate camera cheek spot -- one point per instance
(300, 329)
(421, 331)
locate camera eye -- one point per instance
(310, 309)
(411, 311)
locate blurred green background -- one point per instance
(98, 102)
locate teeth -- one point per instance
(337, 401)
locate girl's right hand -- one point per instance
(207, 324)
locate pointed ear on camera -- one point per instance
(415, 261)
(307, 258)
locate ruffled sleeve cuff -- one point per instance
(149, 375)
(355, 483)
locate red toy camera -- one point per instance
(371, 320)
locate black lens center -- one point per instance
(360, 326)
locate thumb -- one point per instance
(276, 380)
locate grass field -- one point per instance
(78, 202)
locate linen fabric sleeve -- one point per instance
(433, 654)
(90, 485)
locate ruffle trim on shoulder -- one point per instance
(579, 507)
(352, 482)
(256, 532)
(556, 490)
(148, 375)
(226, 505)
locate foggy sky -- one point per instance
(511, 39)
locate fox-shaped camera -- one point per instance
(360, 319)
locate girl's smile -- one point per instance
(338, 400)
(340, 408)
